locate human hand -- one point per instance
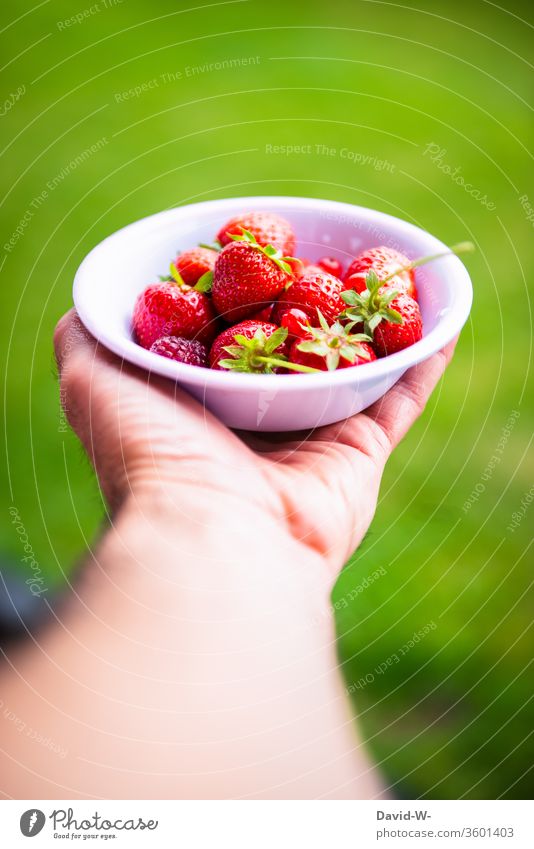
(147, 436)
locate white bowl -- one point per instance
(112, 275)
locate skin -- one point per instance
(195, 657)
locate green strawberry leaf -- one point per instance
(394, 317)
(244, 341)
(312, 346)
(259, 339)
(234, 365)
(176, 276)
(322, 320)
(374, 321)
(351, 298)
(233, 350)
(388, 296)
(348, 353)
(275, 340)
(204, 283)
(332, 359)
(372, 282)
(285, 266)
(244, 236)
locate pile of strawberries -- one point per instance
(246, 304)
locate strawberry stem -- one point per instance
(211, 246)
(274, 362)
(460, 248)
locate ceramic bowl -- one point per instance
(112, 275)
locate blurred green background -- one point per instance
(452, 717)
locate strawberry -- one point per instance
(331, 265)
(170, 308)
(389, 315)
(266, 227)
(230, 346)
(393, 319)
(247, 277)
(329, 348)
(257, 347)
(385, 262)
(299, 265)
(314, 290)
(392, 336)
(296, 322)
(263, 315)
(194, 264)
(182, 350)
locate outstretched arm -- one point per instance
(196, 657)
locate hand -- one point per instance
(144, 434)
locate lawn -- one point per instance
(421, 112)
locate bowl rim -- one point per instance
(445, 330)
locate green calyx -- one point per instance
(203, 283)
(372, 305)
(258, 355)
(335, 342)
(176, 277)
(268, 250)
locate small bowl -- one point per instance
(112, 275)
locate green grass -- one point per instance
(453, 716)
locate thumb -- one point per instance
(127, 419)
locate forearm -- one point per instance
(197, 660)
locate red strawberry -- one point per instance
(392, 336)
(266, 227)
(263, 315)
(330, 348)
(320, 362)
(182, 350)
(302, 269)
(383, 261)
(194, 264)
(313, 290)
(170, 309)
(389, 314)
(296, 322)
(331, 265)
(393, 319)
(298, 265)
(239, 347)
(247, 277)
